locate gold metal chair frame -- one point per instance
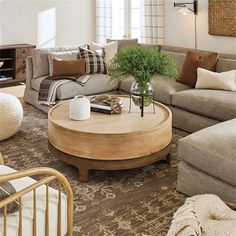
(50, 174)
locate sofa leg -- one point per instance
(168, 159)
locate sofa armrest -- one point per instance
(29, 71)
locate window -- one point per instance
(142, 19)
(126, 19)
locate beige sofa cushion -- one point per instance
(163, 87)
(212, 150)
(40, 62)
(216, 104)
(223, 65)
(98, 83)
(124, 43)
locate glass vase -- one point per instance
(137, 92)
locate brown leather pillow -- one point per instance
(193, 60)
(68, 67)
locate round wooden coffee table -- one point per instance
(111, 142)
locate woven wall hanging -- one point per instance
(222, 17)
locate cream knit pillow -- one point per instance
(212, 80)
(110, 50)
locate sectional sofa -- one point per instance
(193, 109)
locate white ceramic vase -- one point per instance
(79, 108)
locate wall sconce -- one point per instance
(185, 7)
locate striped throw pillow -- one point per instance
(94, 61)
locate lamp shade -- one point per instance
(185, 11)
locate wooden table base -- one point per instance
(85, 164)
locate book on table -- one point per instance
(101, 106)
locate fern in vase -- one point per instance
(143, 64)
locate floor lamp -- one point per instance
(190, 7)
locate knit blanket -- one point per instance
(203, 215)
(49, 86)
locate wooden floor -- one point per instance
(17, 90)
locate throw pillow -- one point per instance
(66, 55)
(94, 61)
(193, 60)
(110, 50)
(212, 80)
(124, 43)
(6, 190)
(68, 68)
(40, 58)
(40, 62)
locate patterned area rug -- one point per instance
(137, 202)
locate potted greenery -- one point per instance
(142, 64)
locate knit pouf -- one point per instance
(11, 115)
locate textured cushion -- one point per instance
(27, 209)
(110, 50)
(124, 43)
(94, 61)
(71, 67)
(193, 60)
(212, 150)
(98, 83)
(225, 65)
(68, 55)
(213, 80)
(11, 115)
(216, 104)
(163, 87)
(6, 190)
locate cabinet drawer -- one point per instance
(20, 73)
(23, 52)
(20, 64)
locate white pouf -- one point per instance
(11, 115)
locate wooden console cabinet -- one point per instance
(13, 57)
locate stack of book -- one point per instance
(101, 106)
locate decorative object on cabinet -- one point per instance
(222, 20)
(13, 57)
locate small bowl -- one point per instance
(1, 63)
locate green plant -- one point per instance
(142, 63)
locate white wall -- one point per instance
(179, 30)
(47, 23)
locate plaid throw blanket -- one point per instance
(48, 87)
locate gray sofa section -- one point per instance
(98, 83)
(193, 109)
(209, 152)
(215, 104)
(192, 181)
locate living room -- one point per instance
(118, 117)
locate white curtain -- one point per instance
(103, 20)
(152, 21)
